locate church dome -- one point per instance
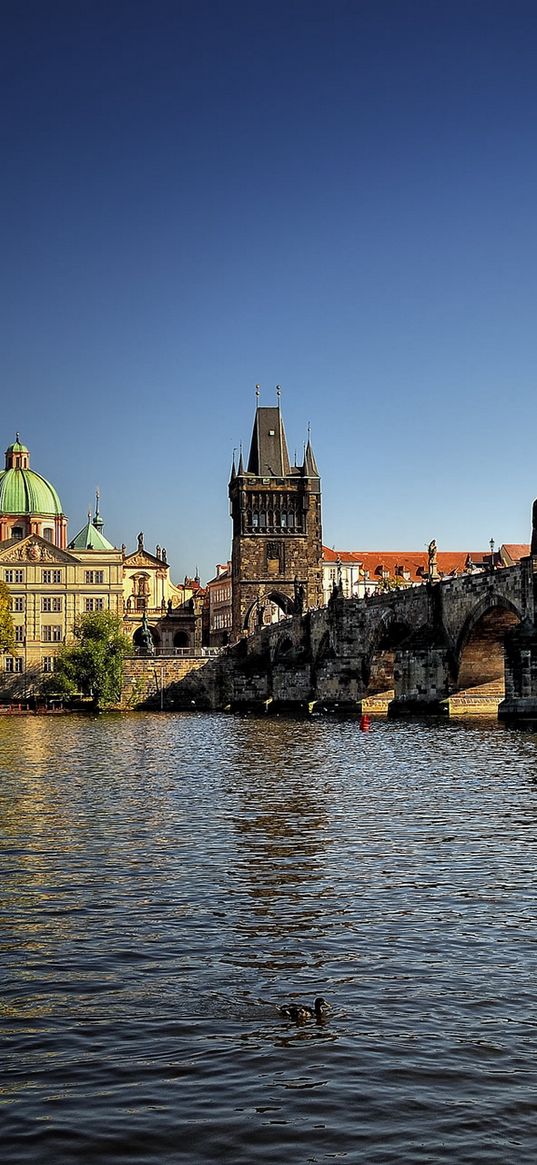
(22, 491)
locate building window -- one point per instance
(94, 576)
(17, 532)
(13, 664)
(94, 604)
(51, 634)
(48, 663)
(19, 633)
(48, 534)
(51, 603)
(51, 576)
(17, 603)
(14, 576)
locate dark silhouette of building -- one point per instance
(277, 536)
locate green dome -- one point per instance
(24, 492)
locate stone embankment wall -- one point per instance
(144, 677)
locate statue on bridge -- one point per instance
(300, 596)
(432, 557)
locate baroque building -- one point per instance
(50, 583)
(51, 580)
(277, 538)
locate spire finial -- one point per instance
(97, 521)
(309, 430)
(278, 393)
(257, 394)
(17, 436)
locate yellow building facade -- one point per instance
(52, 581)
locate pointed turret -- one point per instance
(310, 464)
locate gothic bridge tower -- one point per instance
(277, 538)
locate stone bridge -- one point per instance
(413, 648)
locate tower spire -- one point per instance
(97, 521)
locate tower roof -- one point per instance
(268, 452)
(90, 538)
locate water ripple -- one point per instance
(169, 882)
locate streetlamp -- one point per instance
(491, 544)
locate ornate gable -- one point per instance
(34, 549)
(142, 560)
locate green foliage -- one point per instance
(392, 584)
(7, 633)
(93, 665)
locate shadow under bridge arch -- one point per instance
(378, 668)
(480, 648)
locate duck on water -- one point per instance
(300, 1012)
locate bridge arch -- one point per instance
(480, 647)
(378, 667)
(283, 648)
(325, 651)
(266, 609)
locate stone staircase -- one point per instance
(481, 700)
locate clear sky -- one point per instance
(339, 197)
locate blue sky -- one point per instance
(337, 197)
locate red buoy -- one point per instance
(365, 722)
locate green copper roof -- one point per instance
(24, 492)
(90, 538)
(16, 447)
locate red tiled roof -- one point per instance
(416, 562)
(343, 555)
(516, 550)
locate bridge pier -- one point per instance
(520, 673)
(422, 676)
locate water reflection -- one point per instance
(168, 881)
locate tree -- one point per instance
(93, 665)
(7, 632)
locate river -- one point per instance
(169, 881)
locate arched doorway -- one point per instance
(138, 639)
(181, 640)
(267, 609)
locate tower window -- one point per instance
(17, 532)
(48, 534)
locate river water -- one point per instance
(169, 881)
